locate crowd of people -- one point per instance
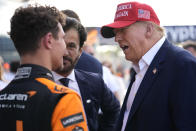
(57, 86)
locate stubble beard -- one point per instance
(66, 70)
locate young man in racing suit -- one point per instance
(32, 101)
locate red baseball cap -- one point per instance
(127, 14)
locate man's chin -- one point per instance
(66, 69)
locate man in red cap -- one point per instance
(161, 95)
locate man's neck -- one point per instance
(33, 59)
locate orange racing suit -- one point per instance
(33, 102)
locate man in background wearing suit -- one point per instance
(86, 62)
(89, 63)
(162, 96)
(90, 86)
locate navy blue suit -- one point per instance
(89, 63)
(166, 98)
(95, 95)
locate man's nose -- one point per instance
(66, 52)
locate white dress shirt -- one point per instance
(109, 79)
(140, 69)
(72, 81)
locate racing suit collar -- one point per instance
(33, 71)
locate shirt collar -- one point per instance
(148, 57)
(71, 76)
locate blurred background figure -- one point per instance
(2, 82)
(6, 67)
(11, 70)
(190, 46)
(107, 75)
(88, 49)
(120, 93)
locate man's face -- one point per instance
(74, 51)
(131, 39)
(58, 50)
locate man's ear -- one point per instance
(47, 40)
(149, 30)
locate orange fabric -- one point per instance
(53, 87)
(19, 125)
(68, 106)
(31, 93)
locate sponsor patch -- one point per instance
(77, 128)
(23, 72)
(73, 119)
(60, 88)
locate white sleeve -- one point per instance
(109, 80)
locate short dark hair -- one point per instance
(29, 24)
(73, 23)
(71, 13)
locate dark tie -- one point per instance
(132, 76)
(64, 81)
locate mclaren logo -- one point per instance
(31, 93)
(17, 97)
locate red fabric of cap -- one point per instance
(127, 14)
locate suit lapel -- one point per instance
(83, 86)
(82, 83)
(149, 78)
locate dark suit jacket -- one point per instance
(96, 95)
(166, 98)
(89, 63)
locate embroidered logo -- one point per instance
(143, 14)
(23, 72)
